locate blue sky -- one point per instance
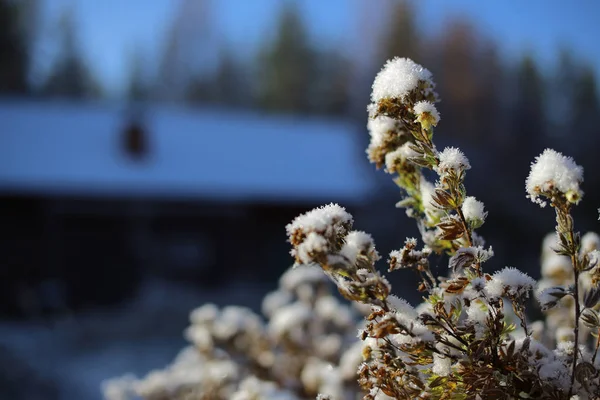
(110, 29)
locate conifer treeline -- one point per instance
(510, 106)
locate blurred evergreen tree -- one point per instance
(490, 108)
(397, 36)
(584, 124)
(228, 81)
(528, 137)
(14, 49)
(21, 381)
(529, 117)
(584, 130)
(29, 19)
(138, 87)
(167, 82)
(332, 83)
(190, 53)
(70, 76)
(457, 70)
(401, 37)
(287, 66)
(228, 85)
(201, 90)
(559, 107)
(574, 115)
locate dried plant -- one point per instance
(470, 338)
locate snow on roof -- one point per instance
(67, 148)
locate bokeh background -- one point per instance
(151, 153)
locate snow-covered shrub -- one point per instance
(471, 337)
(305, 347)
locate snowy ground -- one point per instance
(79, 352)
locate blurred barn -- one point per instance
(95, 198)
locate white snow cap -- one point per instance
(379, 128)
(477, 313)
(397, 78)
(121, 388)
(402, 306)
(313, 244)
(552, 170)
(402, 153)
(427, 190)
(235, 319)
(253, 388)
(590, 241)
(275, 300)
(320, 219)
(556, 267)
(451, 158)
(441, 365)
(289, 319)
(473, 211)
(478, 284)
(356, 243)
(392, 158)
(207, 313)
(302, 274)
(427, 107)
(510, 281)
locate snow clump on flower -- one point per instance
(313, 244)
(386, 135)
(427, 189)
(379, 128)
(359, 244)
(287, 319)
(510, 281)
(550, 172)
(589, 242)
(473, 211)
(402, 306)
(441, 365)
(476, 313)
(426, 113)
(317, 232)
(253, 388)
(452, 159)
(325, 220)
(294, 278)
(399, 77)
(398, 156)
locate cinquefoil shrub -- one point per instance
(470, 338)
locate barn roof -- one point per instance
(76, 149)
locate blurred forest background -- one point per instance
(501, 111)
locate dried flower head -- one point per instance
(510, 281)
(387, 134)
(554, 174)
(427, 114)
(398, 78)
(317, 232)
(473, 210)
(452, 159)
